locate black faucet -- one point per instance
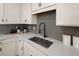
(43, 29)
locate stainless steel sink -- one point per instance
(41, 41)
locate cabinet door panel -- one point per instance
(9, 48)
(20, 47)
(47, 4)
(67, 14)
(35, 6)
(27, 17)
(27, 51)
(31, 51)
(1, 13)
(12, 13)
(26, 13)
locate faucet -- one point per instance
(43, 29)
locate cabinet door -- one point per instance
(20, 47)
(31, 51)
(26, 13)
(9, 48)
(67, 14)
(0, 48)
(12, 13)
(27, 51)
(1, 13)
(27, 17)
(43, 5)
(35, 6)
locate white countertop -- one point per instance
(56, 49)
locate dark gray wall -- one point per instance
(49, 18)
(68, 30)
(6, 28)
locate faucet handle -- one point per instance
(45, 35)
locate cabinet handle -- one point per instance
(2, 20)
(25, 20)
(40, 4)
(6, 20)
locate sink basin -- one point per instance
(41, 41)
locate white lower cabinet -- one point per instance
(0, 48)
(67, 40)
(76, 42)
(27, 51)
(17, 47)
(20, 47)
(31, 51)
(8, 47)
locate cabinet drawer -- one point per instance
(67, 39)
(76, 42)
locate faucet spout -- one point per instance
(43, 29)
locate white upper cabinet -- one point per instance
(16, 13)
(1, 13)
(9, 13)
(35, 6)
(26, 13)
(27, 17)
(12, 13)
(47, 4)
(67, 14)
(42, 7)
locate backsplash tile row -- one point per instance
(70, 30)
